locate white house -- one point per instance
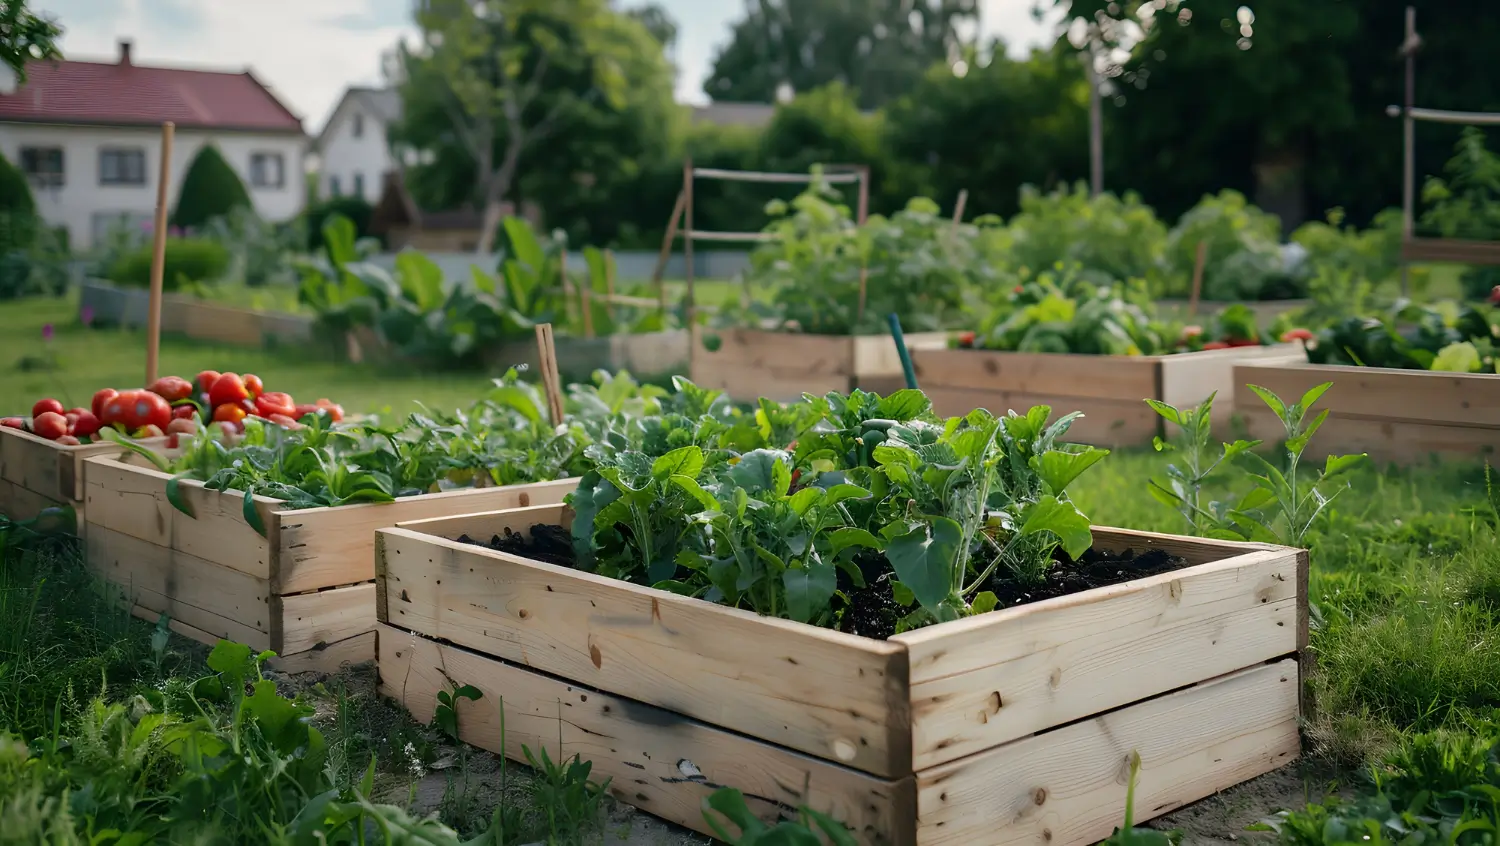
(88, 137)
(353, 147)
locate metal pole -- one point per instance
(1409, 142)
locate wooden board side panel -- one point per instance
(309, 620)
(1377, 393)
(1382, 440)
(486, 524)
(329, 658)
(1067, 787)
(1108, 423)
(132, 501)
(835, 696)
(994, 678)
(22, 503)
(48, 469)
(876, 356)
(1128, 379)
(1189, 378)
(327, 547)
(658, 761)
(1194, 550)
(222, 602)
(778, 365)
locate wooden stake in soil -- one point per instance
(687, 244)
(862, 212)
(158, 254)
(958, 208)
(1197, 291)
(666, 249)
(547, 356)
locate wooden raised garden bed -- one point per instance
(752, 363)
(1109, 389)
(1394, 415)
(36, 473)
(304, 588)
(193, 318)
(1015, 726)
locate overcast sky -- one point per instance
(308, 51)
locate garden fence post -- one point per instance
(158, 254)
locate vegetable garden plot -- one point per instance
(1108, 389)
(297, 581)
(36, 473)
(1391, 414)
(751, 363)
(1003, 727)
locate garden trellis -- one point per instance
(1430, 249)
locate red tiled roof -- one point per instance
(107, 93)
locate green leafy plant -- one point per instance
(186, 260)
(811, 828)
(1128, 834)
(1060, 311)
(1466, 204)
(1284, 504)
(1439, 336)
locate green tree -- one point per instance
(500, 77)
(26, 37)
(18, 221)
(880, 48)
(209, 190)
(1003, 124)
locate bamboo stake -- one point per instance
(666, 249)
(687, 238)
(958, 208)
(546, 350)
(158, 254)
(586, 300)
(1197, 291)
(863, 212)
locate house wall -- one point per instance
(86, 207)
(343, 156)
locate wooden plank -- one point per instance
(22, 503)
(304, 621)
(1194, 550)
(993, 678)
(1067, 787)
(177, 626)
(1188, 378)
(217, 600)
(486, 524)
(1106, 377)
(1378, 393)
(876, 355)
(1107, 423)
(780, 365)
(132, 500)
(658, 761)
(45, 467)
(1455, 250)
(325, 547)
(1383, 440)
(830, 694)
(329, 658)
(222, 324)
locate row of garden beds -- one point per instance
(1017, 725)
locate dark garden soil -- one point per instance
(872, 610)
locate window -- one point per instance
(267, 170)
(333, 186)
(359, 125)
(359, 184)
(122, 166)
(43, 166)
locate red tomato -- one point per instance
(232, 413)
(1216, 345)
(71, 417)
(151, 431)
(102, 396)
(275, 402)
(69, 440)
(304, 409)
(152, 410)
(228, 430)
(229, 387)
(284, 421)
(254, 385)
(335, 411)
(86, 424)
(205, 380)
(50, 425)
(182, 426)
(171, 388)
(184, 412)
(13, 423)
(44, 406)
(134, 410)
(172, 441)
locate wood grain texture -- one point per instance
(217, 600)
(330, 658)
(1395, 441)
(46, 468)
(658, 761)
(780, 365)
(324, 547)
(1108, 377)
(832, 695)
(1383, 394)
(309, 620)
(876, 356)
(1067, 787)
(986, 680)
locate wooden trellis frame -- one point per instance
(1430, 249)
(681, 222)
